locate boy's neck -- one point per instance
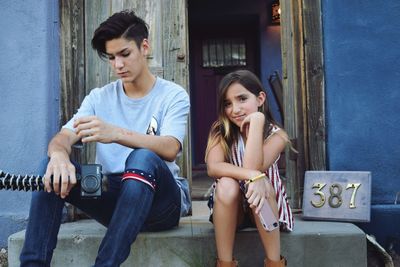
(141, 86)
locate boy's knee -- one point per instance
(140, 156)
(146, 166)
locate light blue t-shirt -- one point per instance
(163, 111)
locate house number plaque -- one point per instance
(337, 195)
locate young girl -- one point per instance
(243, 143)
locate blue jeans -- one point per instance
(126, 208)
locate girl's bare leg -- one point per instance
(271, 240)
(226, 216)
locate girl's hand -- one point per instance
(257, 192)
(93, 129)
(255, 117)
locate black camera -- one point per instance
(90, 180)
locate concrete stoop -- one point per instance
(192, 245)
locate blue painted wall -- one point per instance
(362, 56)
(29, 88)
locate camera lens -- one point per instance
(90, 184)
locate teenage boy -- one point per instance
(138, 123)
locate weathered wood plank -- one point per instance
(72, 71)
(175, 61)
(294, 95)
(72, 61)
(303, 90)
(288, 94)
(119, 5)
(97, 71)
(300, 97)
(315, 85)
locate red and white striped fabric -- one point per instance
(285, 213)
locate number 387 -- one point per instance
(335, 195)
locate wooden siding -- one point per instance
(176, 57)
(315, 85)
(303, 84)
(291, 67)
(72, 69)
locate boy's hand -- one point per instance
(93, 129)
(63, 172)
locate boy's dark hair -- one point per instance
(124, 24)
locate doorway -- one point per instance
(224, 36)
(216, 30)
(217, 47)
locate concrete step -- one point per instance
(201, 185)
(192, 244)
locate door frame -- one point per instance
(304, 90)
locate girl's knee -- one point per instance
(227, 191)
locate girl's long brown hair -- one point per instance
(223, 131)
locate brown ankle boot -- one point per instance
(270, 263)
(233, 263)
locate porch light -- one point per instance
(276, 13)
